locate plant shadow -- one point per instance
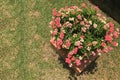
(109, 8)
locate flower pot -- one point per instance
(84, 63)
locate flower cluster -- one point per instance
(82, 32)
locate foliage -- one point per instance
(82, 32)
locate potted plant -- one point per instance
(81, 34)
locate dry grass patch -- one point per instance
(35, 14)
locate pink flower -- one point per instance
(52, 23)
(73, 58)
(77, 43)
(67, 60)
(79, 17)
(105, 50)
(95, 25)
(87, 26)
(54, 12)
(64, 25)
(62, 35)
(78, 63)
(99, 50)
(98, 14)
(103, 44)
(96, 8)
(93, 53)
(54, 33)
(111, 29)
(116, 34)
(57, 21)
(83, 29)
(59, 43)
(111, 24)
(53, 43)
(74, 7)
(82, 23)
(69, 55)
(115, 43)
(75, 50)
(108, 38)
(106, 26)
(70, 25)
(68, 43)
(82, 36)
(80, 47)
(110, 48)
(83, 5)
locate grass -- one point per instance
(25, 51)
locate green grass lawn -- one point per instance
(25, 51)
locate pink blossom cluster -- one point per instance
(82, 34)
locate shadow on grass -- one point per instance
(91, 69)
(109, 8)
